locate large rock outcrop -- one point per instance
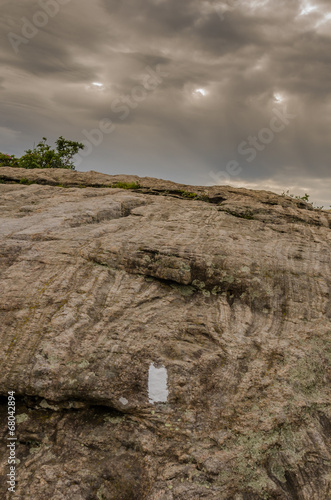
(227, 290)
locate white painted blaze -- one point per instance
(157, 384)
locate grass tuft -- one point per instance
(126, 185)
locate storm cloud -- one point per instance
(195, 91)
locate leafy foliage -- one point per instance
(43, 156)
(8, 160)
(303, 198)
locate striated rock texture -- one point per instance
(226, 291)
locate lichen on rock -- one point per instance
(101, 283)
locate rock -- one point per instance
(226, 291)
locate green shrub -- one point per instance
(303, 198)
(43, 156)
(8, 160)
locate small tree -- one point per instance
(42, 156)
(66, 150)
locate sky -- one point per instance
(196, 91)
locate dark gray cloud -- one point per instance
(185, 88)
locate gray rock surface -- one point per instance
(227, 289)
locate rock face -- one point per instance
(166, 342)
